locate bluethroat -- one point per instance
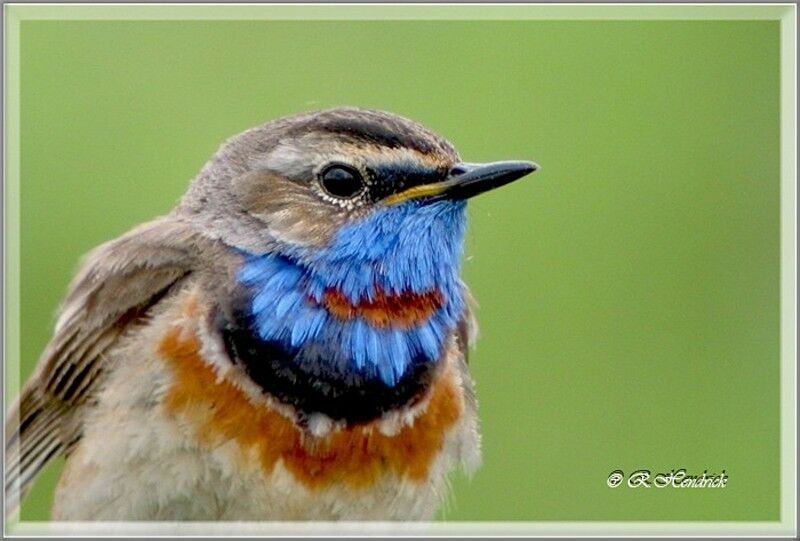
(289, 343)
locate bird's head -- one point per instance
(294, 184)
(351, 225)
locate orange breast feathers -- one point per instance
(403, 311)
(357, 456)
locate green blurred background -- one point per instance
(629, 291)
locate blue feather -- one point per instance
(408, 248)
(387, 374)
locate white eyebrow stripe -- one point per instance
(301, 157)
(288, 159)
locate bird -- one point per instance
(289, 342)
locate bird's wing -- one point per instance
(119, 282)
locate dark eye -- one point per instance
(341, 181)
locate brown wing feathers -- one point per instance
(119, 284)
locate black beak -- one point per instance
(470, 179)
(466, 180)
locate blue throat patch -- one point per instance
(410, 248)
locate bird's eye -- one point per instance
(341, 181)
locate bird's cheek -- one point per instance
(303, 229)
(286, 212)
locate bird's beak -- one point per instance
(466, 180)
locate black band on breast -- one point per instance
(283, 375)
